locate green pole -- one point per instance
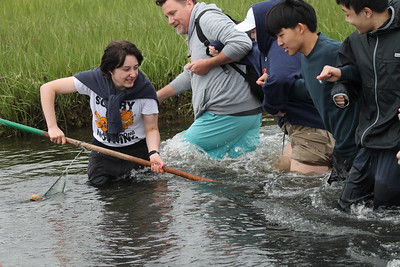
(22, 127)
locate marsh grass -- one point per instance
(43, 40)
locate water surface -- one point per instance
(256, 216)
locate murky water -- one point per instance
(255, 217)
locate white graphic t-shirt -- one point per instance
(132, 112)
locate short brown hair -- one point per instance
(162, 2)
(115, 54)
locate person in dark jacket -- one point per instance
(294, 22)
(398, 153)
(371, 55)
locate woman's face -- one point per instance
(125, 76)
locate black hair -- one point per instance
(378, 6)
(287, 14)
(115, 54)
(162, 2)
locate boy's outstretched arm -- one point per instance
(330, 74)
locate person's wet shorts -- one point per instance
(310, 146)
(225, 135)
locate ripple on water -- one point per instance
(257, 216)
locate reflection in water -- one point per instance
(255, 217)
(134, 218)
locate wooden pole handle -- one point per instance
(106, 151)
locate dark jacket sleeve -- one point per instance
(300, 91)
(349, 89)
(350, 82)
(347, 63)
(283, 72)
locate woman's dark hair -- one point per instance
(287, 14)
(378, 6)
(162, 2)
(115, 54)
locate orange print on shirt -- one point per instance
(101, 122)
(127, 118)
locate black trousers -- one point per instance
(374, 175)
(341, 167)
(104, 169)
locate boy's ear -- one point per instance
(190, 2)
(301, 27)
(367, 12)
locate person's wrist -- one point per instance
(153, 152)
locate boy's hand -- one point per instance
(340, 100)
(263, 79)
(330, 74)
(398, 157)
(213, 51)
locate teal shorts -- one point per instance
(221, 135)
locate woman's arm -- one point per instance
(153, 141)
(48, 92)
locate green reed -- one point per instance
(43, 40)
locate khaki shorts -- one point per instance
(310, 146)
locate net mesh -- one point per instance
(59, 184)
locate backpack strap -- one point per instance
(199, 31)
(235, 67)
(206, 42)
(255, 89)
(201, 35)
